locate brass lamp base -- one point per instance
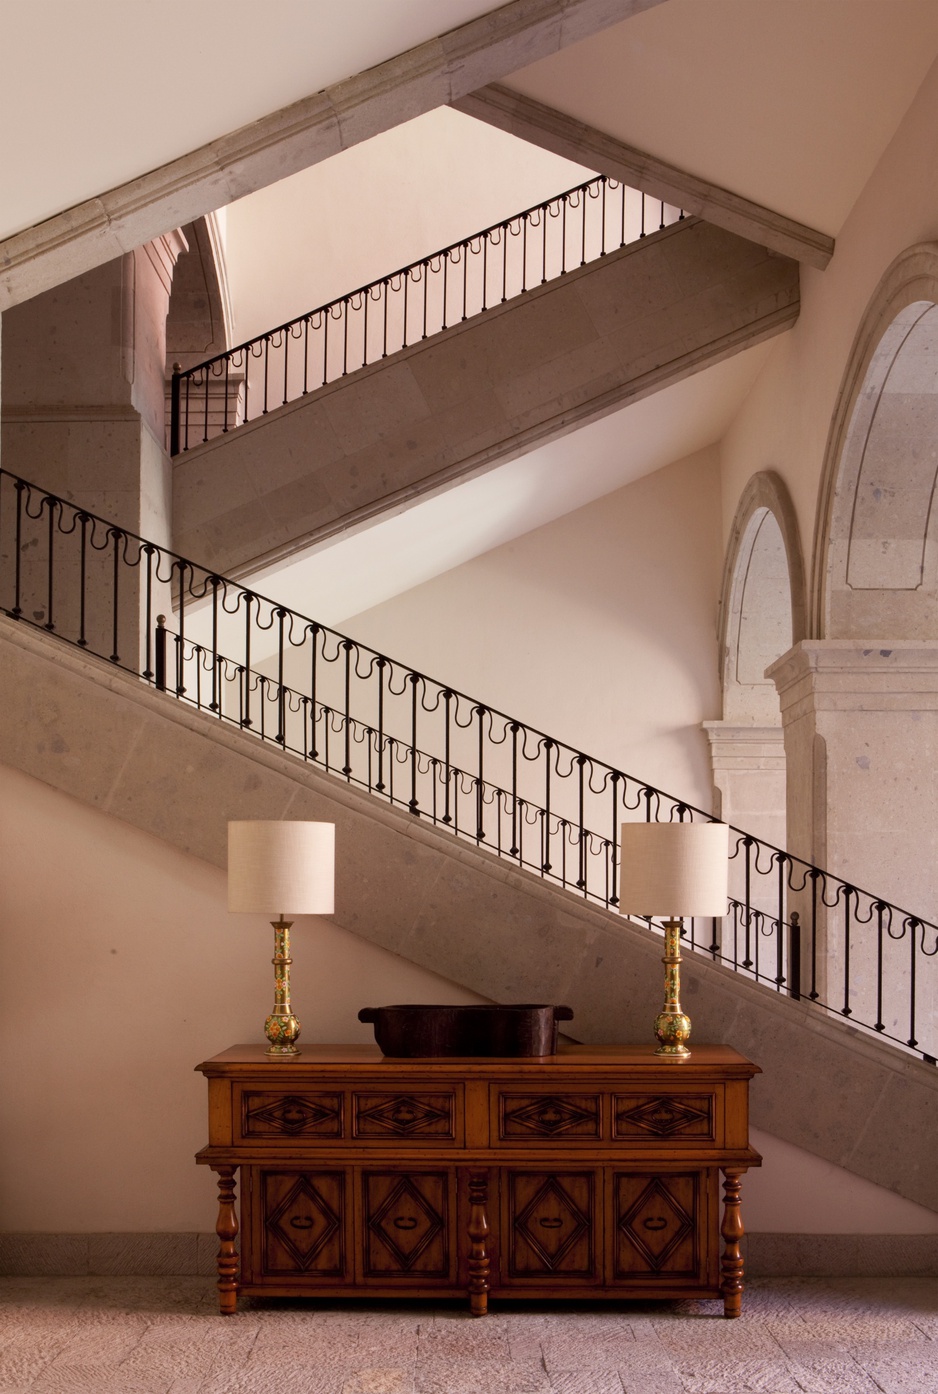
(672, 1027)
(282, 1028)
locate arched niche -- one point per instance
(761, 616)
(762, 608)
(876, 558)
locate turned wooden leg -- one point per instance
(227, 1230)
(732, 1232)
(478, 1254)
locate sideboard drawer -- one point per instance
(547, 1117)
(277, 1114)
(404, 1115)
(674, 1118)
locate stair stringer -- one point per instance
(479, 393)
(108, 739)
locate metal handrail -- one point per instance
(396, 310)
(449, 758)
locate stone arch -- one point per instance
(876, 541)
(762, 606)
(762, 612)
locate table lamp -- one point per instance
(285, 868)
(671, 870)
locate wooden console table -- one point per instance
(592, 1173)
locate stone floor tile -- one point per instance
(379, 1381)
(905, 1374)
(467, 1377)
(728, 1374)
(585, 1382)
(833, 1375)
(648, 1370)
(601, 1352)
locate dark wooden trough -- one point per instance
(512, 1030)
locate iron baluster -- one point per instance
(214, 705)
(504, 262)
(545, 855)
(227, 389)
(879, 1024)
(412, 802)
(515, 849)
(266, 356)
(18, 552)
(346, 722)
(160, 660)
(174, 411)
(116, 536)
(748, 961)
(814, 992)
(50, 582)
(912, 924)
(794, 956)
(246, 719)
(382, 663)
(642, 233)
(614, 839)
(846, 1009)
(82, 580)
(480, 777)
(425, 268)
(206, 377)
(313, 675)
(780, 925)
(281, 690)
(305, 354)
(581, 829)
(181, 636)
(148, 551)
(447, 765)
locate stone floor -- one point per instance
(163, 1336)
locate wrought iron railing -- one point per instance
(455, 761)
(395, 311)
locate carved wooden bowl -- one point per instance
(513, 1030)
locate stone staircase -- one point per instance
(100, 735)
(479, 393)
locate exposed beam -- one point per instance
(433, 74)
(564, 135)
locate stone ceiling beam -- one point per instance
(553, 130)
(433, 74)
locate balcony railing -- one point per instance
(451, 759)
(395, 311)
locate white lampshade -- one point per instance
(674, 869)
(281, 868)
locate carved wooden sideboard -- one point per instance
(591, 1173)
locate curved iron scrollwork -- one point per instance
(446, 757)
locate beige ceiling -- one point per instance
(96, 92)
(787, 102)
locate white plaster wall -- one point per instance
(121, 969)
(784, 422)
(376, 207)
(598, 628)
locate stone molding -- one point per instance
(847, 675)
(766, 489)
(433, 74)
(188, 1254)
(553, 130)
(743, 747)
(105, 737)
(912, 276)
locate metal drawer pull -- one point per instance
(405, 1222)
(301, 1222)
(656, 1222)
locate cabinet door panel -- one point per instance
(657, 1225)
(406, 1224)
(303, 1223)
(550, 1225)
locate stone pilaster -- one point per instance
(749, 777)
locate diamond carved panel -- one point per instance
(404, 1115)
(656, 1227)
(293, 1115)
(549, 1115)
(551, 1224)
(406, 1224)
(302, 1223)
(668, 1115)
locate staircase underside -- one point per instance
(108, 739)
(478, 394)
